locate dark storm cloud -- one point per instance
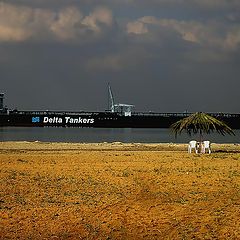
(61, 54)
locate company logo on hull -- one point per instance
(35, 119)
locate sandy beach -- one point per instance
(118, 191)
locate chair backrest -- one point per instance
(206, 144)
(192, 144)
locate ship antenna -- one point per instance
(110, 99)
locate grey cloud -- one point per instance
(212, 34)
(139, 5)
(129, 58)
(137, 27)
(215, 3)
(128, 2)
(66, 25)
(25, 23)
(150, 39)
(232, 40)
(21, 23)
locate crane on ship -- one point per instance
(121, 108)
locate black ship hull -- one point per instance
(101, 119)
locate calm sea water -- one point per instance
(95, 135)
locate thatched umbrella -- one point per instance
(201, 123)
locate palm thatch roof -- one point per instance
(200, 122)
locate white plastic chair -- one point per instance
(206, 146)
(192, 145)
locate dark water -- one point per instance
(91, 135)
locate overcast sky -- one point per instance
(160, 55)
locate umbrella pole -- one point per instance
(200, 142)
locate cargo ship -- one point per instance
(117, 116)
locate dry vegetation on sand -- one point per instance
(118, 191)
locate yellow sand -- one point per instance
(118, 191)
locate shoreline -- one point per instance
(120, 146)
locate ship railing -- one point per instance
(96, 113)
(160, 114)
(59, 113)
(226, 115)
(54, 112)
